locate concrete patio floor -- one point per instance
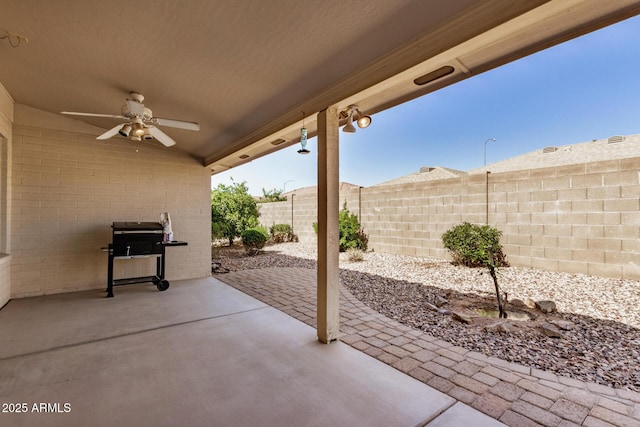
(199, 354)
(517, 395)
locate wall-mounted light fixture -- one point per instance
(353, 113)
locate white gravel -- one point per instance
(604, 347)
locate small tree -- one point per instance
(478, 246)
(233, 210)
(271, 196)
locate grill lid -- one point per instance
(136, 226)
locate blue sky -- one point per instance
(587, 88)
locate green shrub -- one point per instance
(475, 246)
(351, 234)
(282, 233)
(253, 239)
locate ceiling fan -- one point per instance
(140, 122)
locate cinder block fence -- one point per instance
(581, 218)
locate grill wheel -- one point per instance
(162, 285)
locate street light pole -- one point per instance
(485, 149)
(284, 186)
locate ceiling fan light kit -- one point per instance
(147, 134)
(141, 124)
(139, 128)
(125, 130)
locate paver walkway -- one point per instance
(516, 395)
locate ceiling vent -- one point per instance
(244, 156)
(615, 139)
(426, 169)
(546, 150)
(277, 141)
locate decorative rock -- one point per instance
(502, 327)
(518, 303)
(430, 306)
(461, 317)
(546, 306)
(551, 331)
(530, 303)
(440, 301)
(565, 325)
(444, 311)
(520, 315)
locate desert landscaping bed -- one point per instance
(593, 336)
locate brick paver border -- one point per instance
(516, 395)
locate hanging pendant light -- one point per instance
(303, 138)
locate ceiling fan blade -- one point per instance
(135, 106)
(165, 139)
(176, 123)
(110, 133)
(73, 113)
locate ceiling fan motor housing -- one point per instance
(146, 115)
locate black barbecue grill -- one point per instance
(133, 240)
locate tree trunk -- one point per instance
(501, 313)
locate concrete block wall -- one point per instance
(300, 211)
(582, 218)
(409, 219)
(275, 213)
(305, 214)
(68, 188)
(6, 121)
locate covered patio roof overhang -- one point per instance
(248, 71)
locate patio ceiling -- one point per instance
(246, 70)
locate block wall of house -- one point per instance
(6, 119)
(582, 218)
(68, 188)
